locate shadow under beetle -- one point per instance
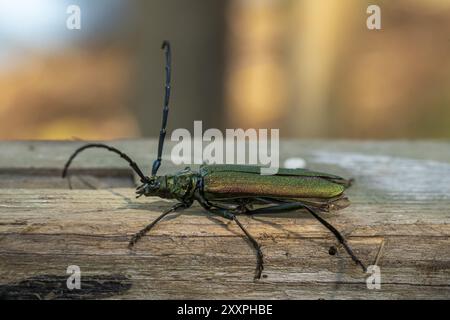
(230, 190)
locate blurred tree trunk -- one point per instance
(196, 32)
(320, 31)
(281, 62)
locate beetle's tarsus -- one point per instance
(259, 264)
(353, 256)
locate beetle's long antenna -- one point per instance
(132, 164)
(162, 133)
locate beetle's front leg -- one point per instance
(140, 234)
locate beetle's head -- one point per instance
(153, 186)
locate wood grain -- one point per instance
(399, 220)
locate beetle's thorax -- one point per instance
(180, 186)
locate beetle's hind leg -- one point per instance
(338, 236)
(281, 206)
(145, 230)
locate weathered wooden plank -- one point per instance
(399, 218)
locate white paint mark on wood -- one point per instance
(295, 163)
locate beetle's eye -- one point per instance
(153, 184)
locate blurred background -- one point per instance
(310, 68)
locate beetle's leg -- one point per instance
(144, 231)
(237, 209)
(256, 245)
(228, 214)
(259, 255)
(290, 206)
(132, 164)
(338, 236)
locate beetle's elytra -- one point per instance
(230, 190)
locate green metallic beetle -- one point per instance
(230, 190)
